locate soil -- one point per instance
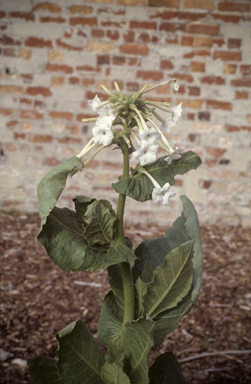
(38, 300)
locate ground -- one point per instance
(38, 300)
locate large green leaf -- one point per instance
(80, 359)
(43, 370)
(52, 185)
(99, 223)
(139, 187)
(172, 281)
(81, 203)
(121, 251)
(113, 374)
(137, 344)
(166, 370)
(110, 321)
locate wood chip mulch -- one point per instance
(38, 300)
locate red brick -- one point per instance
(165, 89)
(73, 80)
(241, 95)
(120, 84)
(50, 7)
(10, 147)
(227, 18)
(88, 68)
(24, 100)
(187, 41)
(197, 52)
(153, 75)
(215, 152)
(219, 105)
(28, 16)
(49, 19)
(245, 69)
(68, 140)
(61, 115)
(211, 162)
(203, 41)
(86, 82)
(164, 3)
(172, 27)
(229, 68)
(39, 104)
(103, 59)
(239, 6)
(203, 28)
(129, 37)
(24, 53)
(30, 114)
(144, 37)
(12, 89)
(83, 21)
(73, 128)
(204, 116)
(38, 138)
(58, 68)
(172, 40)
(234, 43)
(245, 82)
(81, 9)
(182, 76)
(205, 184)
(118, 60)
(97, 32)
(6, 112)
(166, 64)
(134, 49)
(52, 161)
(234, 128)
(227, 55)
(10, 52)
(114, 24)
(197, 66)
(192, 103)
(17, 136)
(34, 91)
(194, 91)
(38, 42)
(2, 14)
(134, 61)
(68, 46)
(166, 15)
(27, 77)
(132, 86)
(190, 116)
(59, 81)
(12, 123)
(199, 4)
(113, 35)
(7, 40)
(191, 15)
(81, 116)
(213, 80)
(142, 24)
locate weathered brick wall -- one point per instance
(54, 56)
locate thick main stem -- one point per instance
(129, 301)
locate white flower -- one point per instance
(167, 124)
(152, 136)
(174, 155)
(146, 153)
(94, 104)
(176, 86)
(105, 116)
(102, 134)
(163, 194)
(176, 112)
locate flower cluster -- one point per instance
(133, 112)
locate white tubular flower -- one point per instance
(167, 124)
(163, 194)
(176, 112)
(173, 155)
(105, 116)
(102, 134)
(146, 154)
(94, 104)
(176, 86)
(152, 136)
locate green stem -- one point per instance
(129, 300)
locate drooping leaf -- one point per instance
(137, 344)
(113, 374)
(115, 281)
(139, 187)
(110, 321)
(99, 223)
(80, 360)
(140, 289)
(166, 370)
(43, 370)
(172, 281)
(52, 185)
(121, 251)
(81, 203)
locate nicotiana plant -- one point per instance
(152, 287)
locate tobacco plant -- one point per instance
(151, 288)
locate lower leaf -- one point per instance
(43, 370)
(113, 374)
(166, 370)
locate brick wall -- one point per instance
(54, 56)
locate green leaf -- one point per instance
(80, 359)
(81, 204)
(172, 281)
(52, 185)
(140, 289)
(139, 187)
(43, 370)
(99, 221)
(137, 344)
(121, 251)
(166, 370)
(113, 374)
(110, 321)
(115, 281)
